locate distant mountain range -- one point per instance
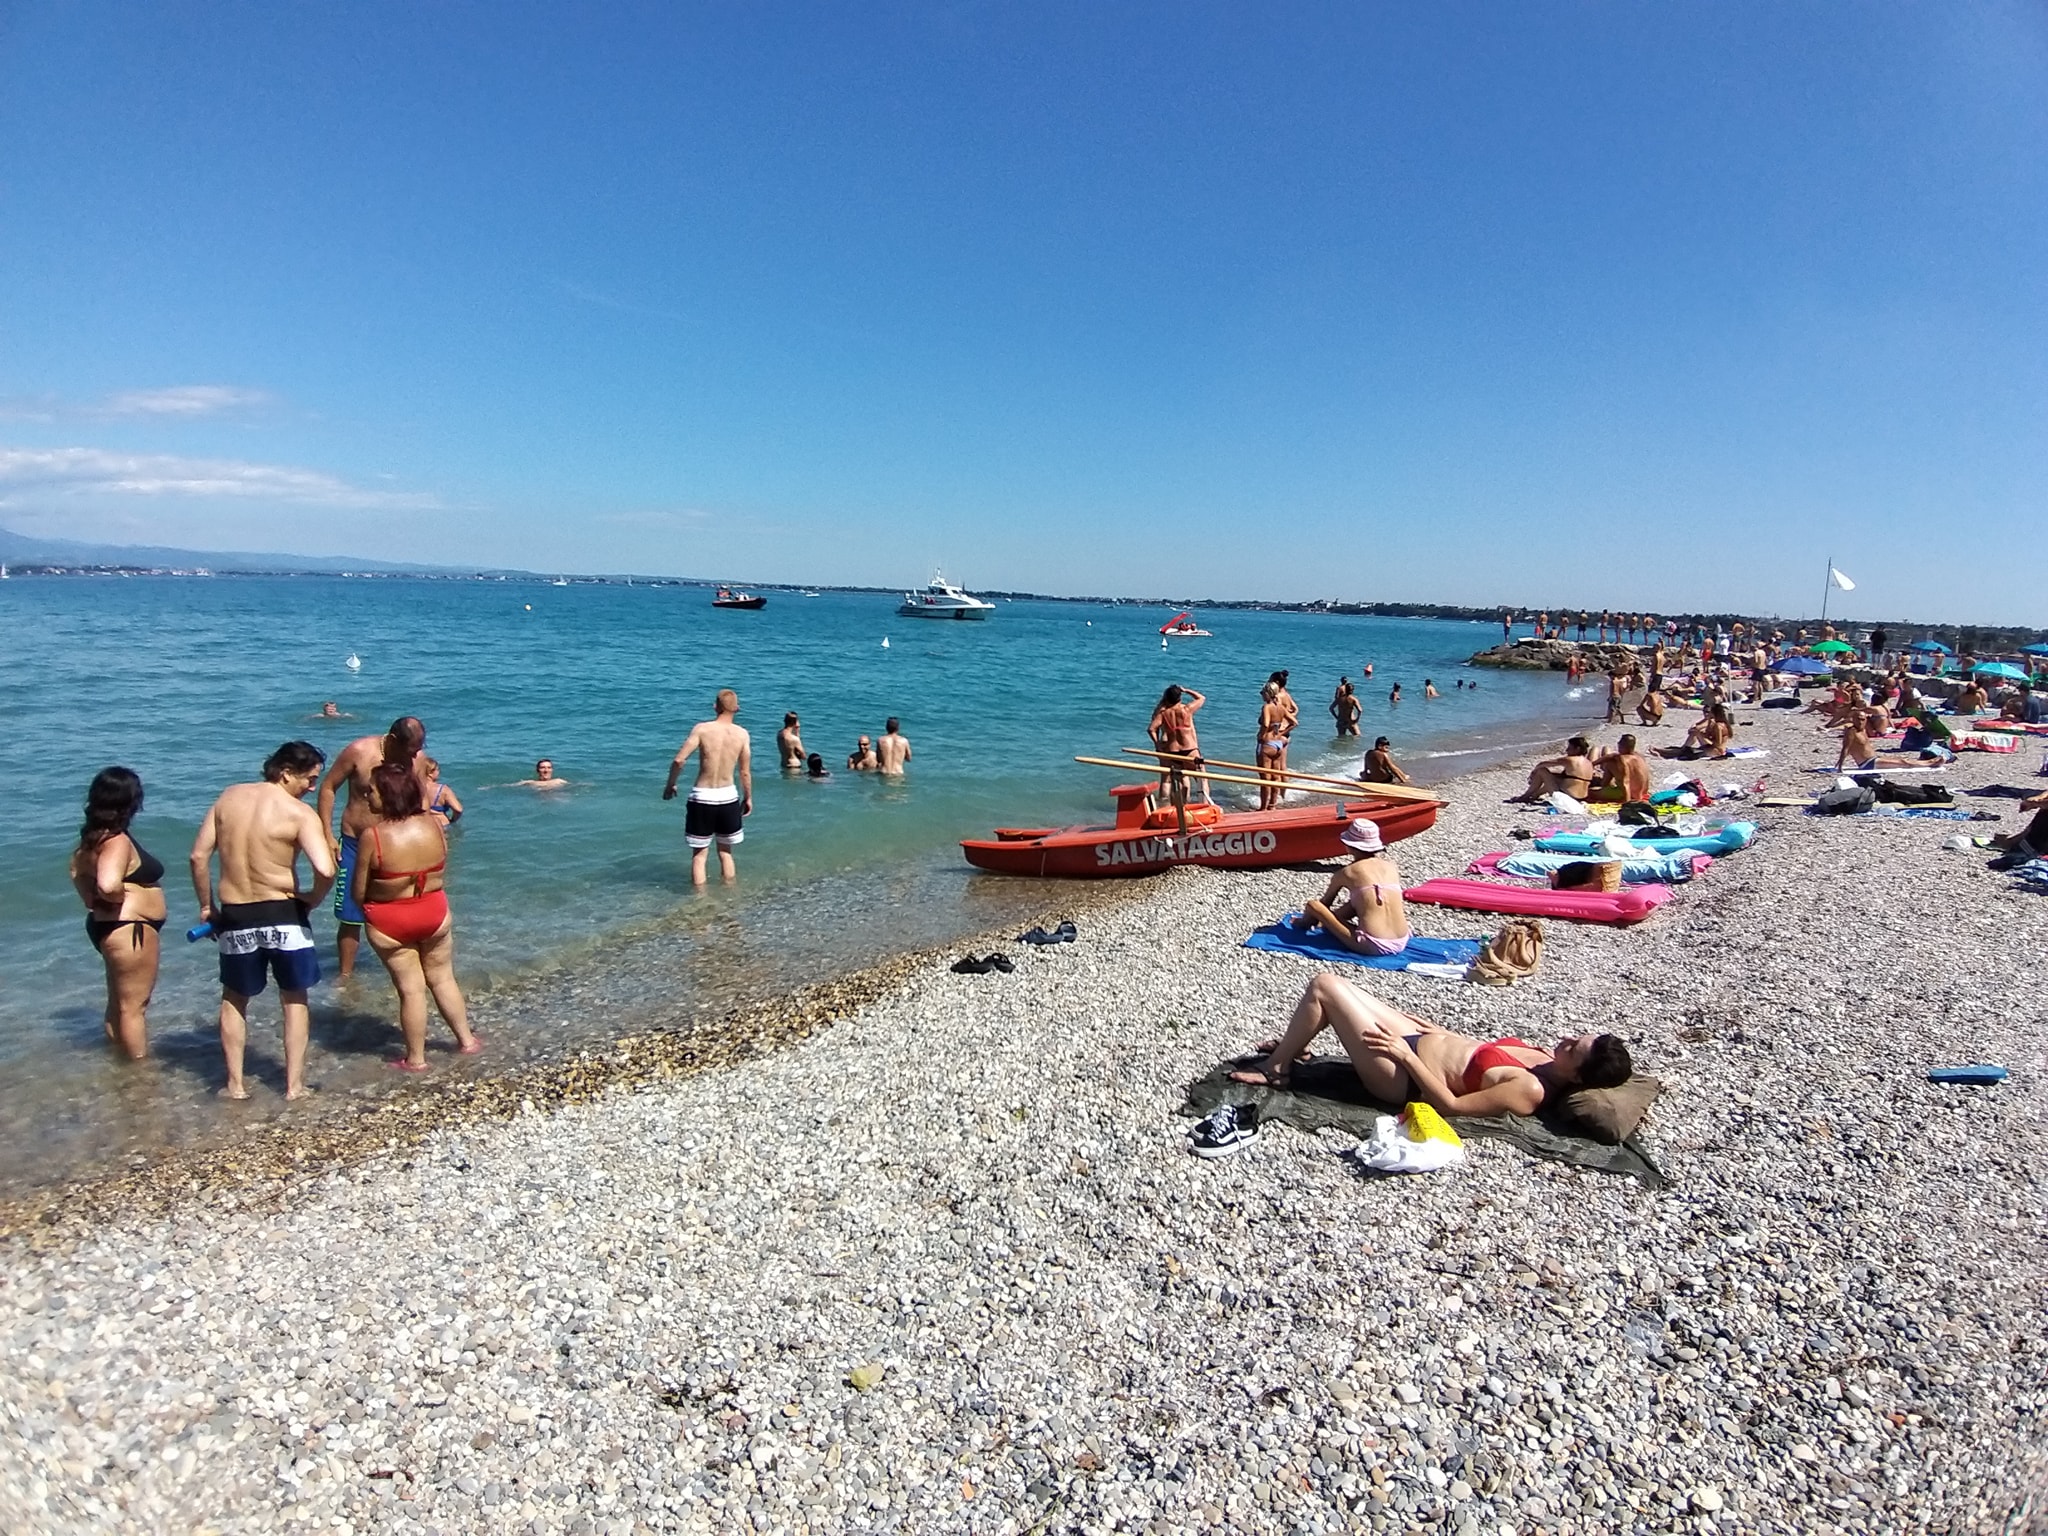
(19, 549)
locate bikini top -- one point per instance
(1491, 1055)
(149, 869)
(418, 877)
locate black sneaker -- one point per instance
(1226, 1130)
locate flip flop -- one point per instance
(402, 1065)
(967, 965)
(475, 1046)
(1002, 963)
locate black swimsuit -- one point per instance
(148, 875)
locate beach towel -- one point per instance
(1283, 939)
(1637, 868)
(1327, 1094)
(2033, 873)
(1926, 812)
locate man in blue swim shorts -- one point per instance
(257, 910)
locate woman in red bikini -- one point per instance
(1399, 1057)
(402, 858)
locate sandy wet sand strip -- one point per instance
(947, 1265)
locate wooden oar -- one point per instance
(1391, 791)
(1363, 792)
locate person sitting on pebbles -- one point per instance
(1362, 907)
(1572, 773)
(1399, 1057)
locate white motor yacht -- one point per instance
(943, 600)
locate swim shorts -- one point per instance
(345, 907)
(713, 813)
(260, 939)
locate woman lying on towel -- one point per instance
(1361, 908)
(1399, 1057)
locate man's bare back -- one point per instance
(258, 831)
(721, 749)
(893, 750)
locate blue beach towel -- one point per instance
(1282, 939)
(1923, 813)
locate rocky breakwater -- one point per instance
(1556, 655)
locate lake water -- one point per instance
(575, 916)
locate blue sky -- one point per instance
(1643, 306)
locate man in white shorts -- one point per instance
(724, 791)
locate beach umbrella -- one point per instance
(2000, 669)
(1800, 666)
(1929, 645)
(2034, 650)
(1834, 648)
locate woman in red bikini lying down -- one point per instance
(1399, 1057)
(398, 884)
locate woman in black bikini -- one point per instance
(121, 884)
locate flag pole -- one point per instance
(1826, 582)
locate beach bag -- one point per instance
(1845, 802)
(1638, 813)
(1588, 875)
(1516, 951)
(1421, 1141)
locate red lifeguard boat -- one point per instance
(1146, 838)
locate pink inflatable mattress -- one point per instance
(1630, 904)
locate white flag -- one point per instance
(1840, 580)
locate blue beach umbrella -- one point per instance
(1801, 666)
(2034, 650)
(1930, 645)
(1999, 669)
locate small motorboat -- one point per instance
(1146, 836)
(1182, 626)
(943, 600)
(728, 598)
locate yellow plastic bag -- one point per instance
(1421, 1122)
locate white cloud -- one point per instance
(182, 400)
(96, 471)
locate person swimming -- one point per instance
(543, 777)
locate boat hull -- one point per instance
(748, 603)
(920, 611)
(1237, 840)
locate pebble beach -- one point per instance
(940, 1259)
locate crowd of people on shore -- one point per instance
(384, 863)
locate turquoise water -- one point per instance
(575, 917)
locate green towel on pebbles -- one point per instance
(1327, 1093)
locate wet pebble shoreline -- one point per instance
(946, 1265)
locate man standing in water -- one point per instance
(258, 912)
(724, 792)
(789, 742)
(401, 744)
(894, 748)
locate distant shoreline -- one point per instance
(1980, 637)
